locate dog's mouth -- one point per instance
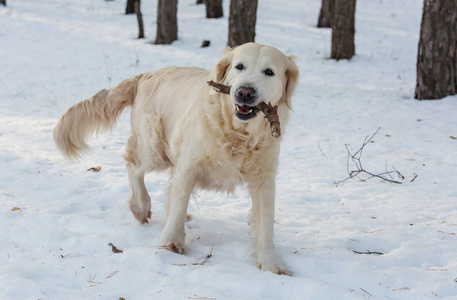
(245, 112)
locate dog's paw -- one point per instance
(278, 269)
(281, 271)
(173, 238)
(175, 247)
(142, 216)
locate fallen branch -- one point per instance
(401, 289)
(114, 249)
(95, 169)
(270, 112)
(205, 260)
(368, 252)
(370, 295)
(201, 297)
(112, 274)
(356, 159)
(91, 280)
(198, 262)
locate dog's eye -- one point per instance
(239, 67)
(269, 72)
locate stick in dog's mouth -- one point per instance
(270, 112)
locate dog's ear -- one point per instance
(292, 75)
(223, 65)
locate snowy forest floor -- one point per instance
(57, 219)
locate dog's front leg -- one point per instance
(182, 185)
(262, 225)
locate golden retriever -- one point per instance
(208, 140)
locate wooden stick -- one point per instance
(270, 112)
(219, 87)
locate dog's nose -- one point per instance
(246, 95)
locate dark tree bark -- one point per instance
(343, 29)
(3, 2)
(242, 20)
(167, 22)
(214, 9)
(326, 14)
(437, 53)
(140, 19)
(130, 7)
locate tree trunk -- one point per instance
(214, 9)
(326, 14)
(3, 2)
(343, 30)
(242, 20)
(130, 8)
(167, 22)
(140, 19)
(437, 53)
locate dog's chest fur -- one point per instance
(230, 162)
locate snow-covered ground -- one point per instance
(57, 219)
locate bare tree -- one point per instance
(242, 20)
(130, 7)
(167, 22)
(343, 30)
(140, 19)
(326, 14)
(437, 55)
(214, 9)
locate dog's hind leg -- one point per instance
(140, 202)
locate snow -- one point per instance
(57, 219)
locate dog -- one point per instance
(206, 139)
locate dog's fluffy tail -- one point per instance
(96, 114)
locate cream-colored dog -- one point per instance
(208, 140)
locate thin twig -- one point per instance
(366, 292)
(112, 274)
(196, 263)
(356, 159)
(368, 252)
(319, 146)
(201, 297)
(91, 280)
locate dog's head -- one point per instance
(257, 73)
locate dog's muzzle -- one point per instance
(245, 100)
(246, 96)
